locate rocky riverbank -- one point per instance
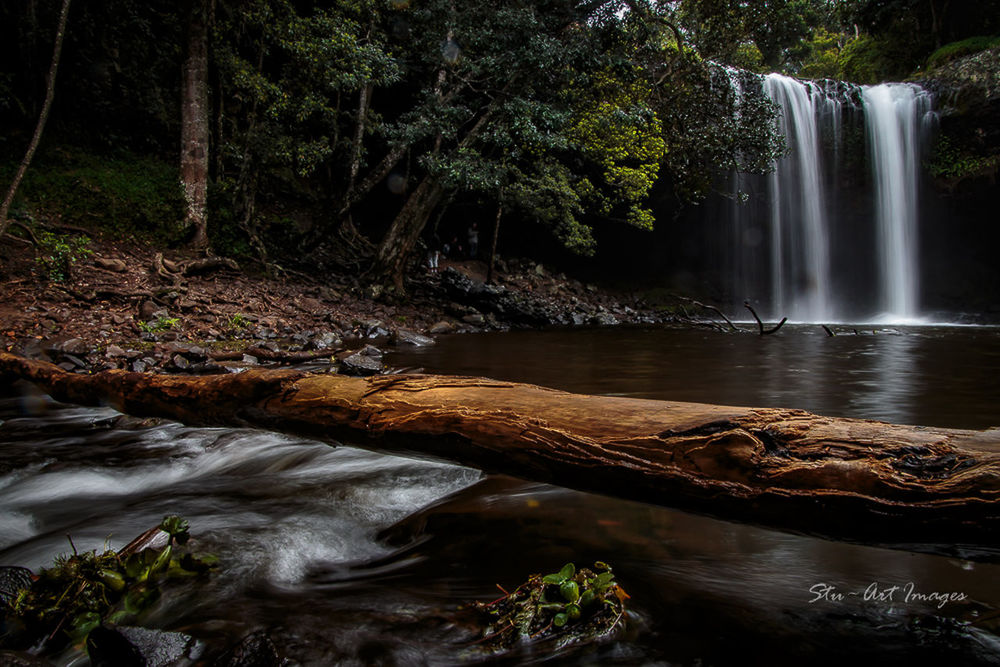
(125, 306)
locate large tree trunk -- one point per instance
(398, 243)
(43, 117)
(928, 488)
(195, 124)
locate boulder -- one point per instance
(407, 337)
(361, 365)
(442, 327)
(116, 265)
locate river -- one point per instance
(349, 557)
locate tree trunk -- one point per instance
(493, 243)
(399, 241)
(43, 117)
(913, 487)
(195, 124)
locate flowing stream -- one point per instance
(350, 557)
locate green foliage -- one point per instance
(951, 162)
(961, 48)
(83, 590)
(123, 194)
(60, 253)
(566, 606)
(161, 323)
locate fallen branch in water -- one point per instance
(860, 480)
(760, 324)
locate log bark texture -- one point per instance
(852, 479)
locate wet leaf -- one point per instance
(560, 619)
(570, 590)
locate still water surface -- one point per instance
(350, 557)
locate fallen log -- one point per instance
(929, 489)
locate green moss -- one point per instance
(965, 47)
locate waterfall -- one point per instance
(828, 254)
(892, 112)
(800, 258)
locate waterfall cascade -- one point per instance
(819, 253)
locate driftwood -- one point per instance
(760, 325)
(924, 488)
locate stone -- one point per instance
(325, 341)
(407, 337)
(442, 327)
(250, 360)
(141, 646)
(114, 351)
(181, 362)
(371, 351)
(474, 318)
(116, 265)
(73, 346)
(254, 650)
(604, 319)
(139, 366)
(309, 304)
(361, 365)
(76, 361)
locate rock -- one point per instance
(325, 341)
(139, 366)
(109, 648)
(250, 360)
(116, 265)
(361, 365)
(407, 337)
(126, 646)
(254, 650)
(113, 351)
(371, 351)
(309, 304)
(12, 580)
(77, 362)
(180, 362)
(474, 318)
(119, 319)
(442, 327)
(73, 346)
(604, 319)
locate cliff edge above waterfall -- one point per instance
(968, 93)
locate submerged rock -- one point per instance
(255, 650)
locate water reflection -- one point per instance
(930, 376)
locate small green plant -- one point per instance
(161, 323)
(569, 605)
(84, 590)
(238, 321)
(60, 253)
